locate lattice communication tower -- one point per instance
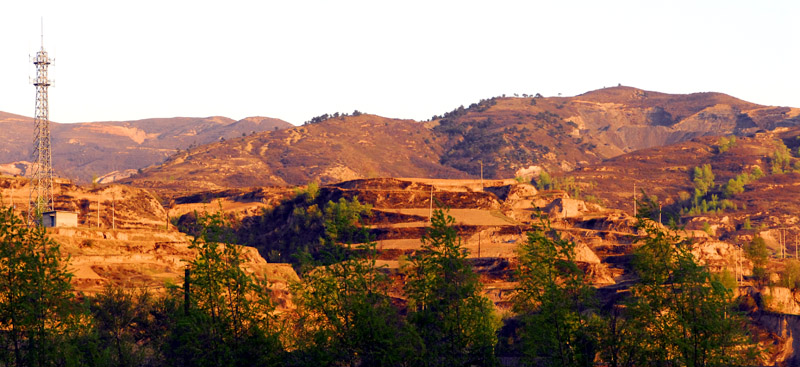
(41, 194)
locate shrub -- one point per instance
(790, 277)
(726, 143)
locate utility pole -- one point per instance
(736, 260)
(659, 214)
(430, 215)
(479, 244)
(634, 199)
(114, 212)
(739, 275)
(783, 244)
(481, 162)
(98, 212)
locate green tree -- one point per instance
(781, 159)
(544, 182)
(726, 143)
(790, 277)
(230, 317)
(456, 322)
(757, 173)
(756, 251)
(734, 186)
(555, 301)
(126, 329)
(345, 316)
(678, 314)
(305, 224)
(703, 179)
(342, 221)
(728, 279)
(38, 316)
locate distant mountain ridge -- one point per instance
(116, 149)
(500, 137)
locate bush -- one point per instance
(790, 277)
(726, 143)
(727, 279)
(781, 159)
(703, 179)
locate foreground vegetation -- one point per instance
(678, 314)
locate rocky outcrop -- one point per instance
(783, 331)
(780, 300)
(718, 255)
(565, 207)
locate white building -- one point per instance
(60, 218)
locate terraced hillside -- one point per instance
(492, 218)
(129, 242)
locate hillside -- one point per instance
(337, 149)
(562, 133)
(124, 239)
(116, 149)
(753, 188)
(492, 218)
(506, 136)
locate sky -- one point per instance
(293, 60)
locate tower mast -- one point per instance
(41, 179)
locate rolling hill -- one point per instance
(502, 136)
(115, 149)
(338, 149)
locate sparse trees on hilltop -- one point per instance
(325, 116)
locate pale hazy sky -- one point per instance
(127, 60)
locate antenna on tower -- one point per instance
(41, 194)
